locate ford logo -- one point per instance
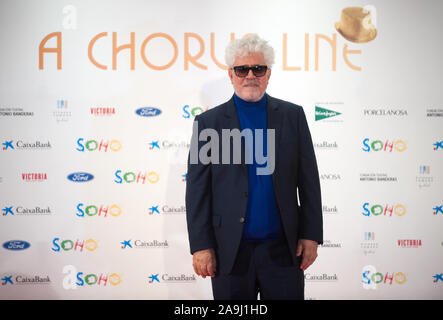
(80, 177)
(148, 112)
(16, 245)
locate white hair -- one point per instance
(244, 47)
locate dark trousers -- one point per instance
(261, 267)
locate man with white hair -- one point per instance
(246, 228)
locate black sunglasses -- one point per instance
(257, 70)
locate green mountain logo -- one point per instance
(322, 113)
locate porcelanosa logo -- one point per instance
(171, 278)
(144, 244)
(21, 279)
(26, 211)
(102, 145)
(92, 210)
(148, 112)
(80, 177)
(371, 278)
(26, 145)
(374, 209)
(136, 177)
(385, 145)
(75, 279)
(385, 112)
(166, 209)
(64, 245)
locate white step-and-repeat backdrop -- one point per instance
(97, 101)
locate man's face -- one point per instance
(250, 88)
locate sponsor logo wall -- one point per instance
(96, 112)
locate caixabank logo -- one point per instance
(8, 280)
(93, 210)
(168, 145)
(438, 209)
(438, 145)
(144, 244)
(100, 145)
(75, 279)
(372, 278)
(67, 245)
(438, 278)
(157, 278)
(21, 210)
(376, 145)
(386, 210)
(11, 145)
(157, 209)
(137, 177)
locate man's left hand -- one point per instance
(309, 250)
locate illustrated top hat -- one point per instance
(355, 25)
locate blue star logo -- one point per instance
(438, 209)
(126, 243)
(438, 277)
(153, 277)
(153, 145)
(438, 145)
(154, 209)
(8, 144)
(7, 280)
(7, 210)
(184, 176)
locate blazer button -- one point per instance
(242, 219)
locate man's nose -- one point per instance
(250, 75)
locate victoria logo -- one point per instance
(80, 177)
(148, 112)
(16, 245)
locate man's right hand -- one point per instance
(204, 262)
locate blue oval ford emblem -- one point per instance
(16, 245)
(80, 177)
(148, 112)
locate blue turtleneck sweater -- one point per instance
(262, 220)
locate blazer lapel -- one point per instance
(274, 121)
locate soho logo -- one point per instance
(371, 277)
(75, 279)
(141, 177)
(376, 210)
(378, 145)
(93, 145)
(67, 245)
(189, 112)
(92, 210)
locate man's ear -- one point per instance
(230, 74)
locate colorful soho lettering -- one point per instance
(130, 177)
(91, 279)
(194, 111)
(68, 245)
(378, 145)
(378, 277)
(92, 145)
(377, 210)
(92, 210)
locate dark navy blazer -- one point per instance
(217, 194)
